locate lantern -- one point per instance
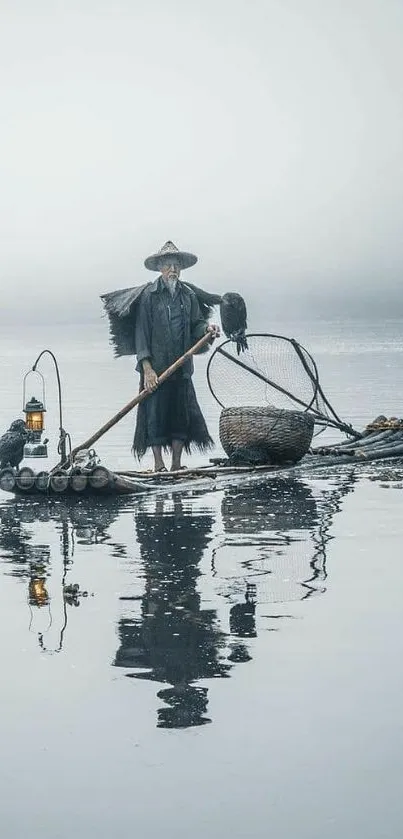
(34, 410)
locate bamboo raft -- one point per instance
(82, 475)
(381, 440)
(103, 482)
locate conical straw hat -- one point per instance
(186, 260)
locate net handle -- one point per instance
(319, 390)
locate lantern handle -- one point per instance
(38, 373)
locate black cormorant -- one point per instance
(12, 444)
(233, 319)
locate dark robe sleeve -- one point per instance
(198, 324)
(143, 332)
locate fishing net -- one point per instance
(273, 371)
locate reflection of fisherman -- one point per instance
(175, 640)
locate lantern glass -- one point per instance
(35, 421)
(34, 415)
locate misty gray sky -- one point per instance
(265, 136)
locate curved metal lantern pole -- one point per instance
(62, 433)
(207, 338)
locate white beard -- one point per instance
(171, 285)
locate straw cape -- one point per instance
(120, 305)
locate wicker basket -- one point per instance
(272, 435)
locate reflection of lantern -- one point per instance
(38, 595)
(34, 411)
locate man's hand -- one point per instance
(214, 329)
(150, 377)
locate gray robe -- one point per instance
(165, 328)
(139, 325)
(155, 337)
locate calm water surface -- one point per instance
(230, 663)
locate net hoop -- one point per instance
(300, 351)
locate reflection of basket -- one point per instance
(281, 506)
(272, 435)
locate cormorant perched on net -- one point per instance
(12, 444)
(233, 319)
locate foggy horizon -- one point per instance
(266, 138)
(354, 306)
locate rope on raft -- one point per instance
(383, 422)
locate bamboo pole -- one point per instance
(318, 461)
(208, 337)
(199, 472)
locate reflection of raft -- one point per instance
(382, 440)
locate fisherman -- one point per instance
(168, 322)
